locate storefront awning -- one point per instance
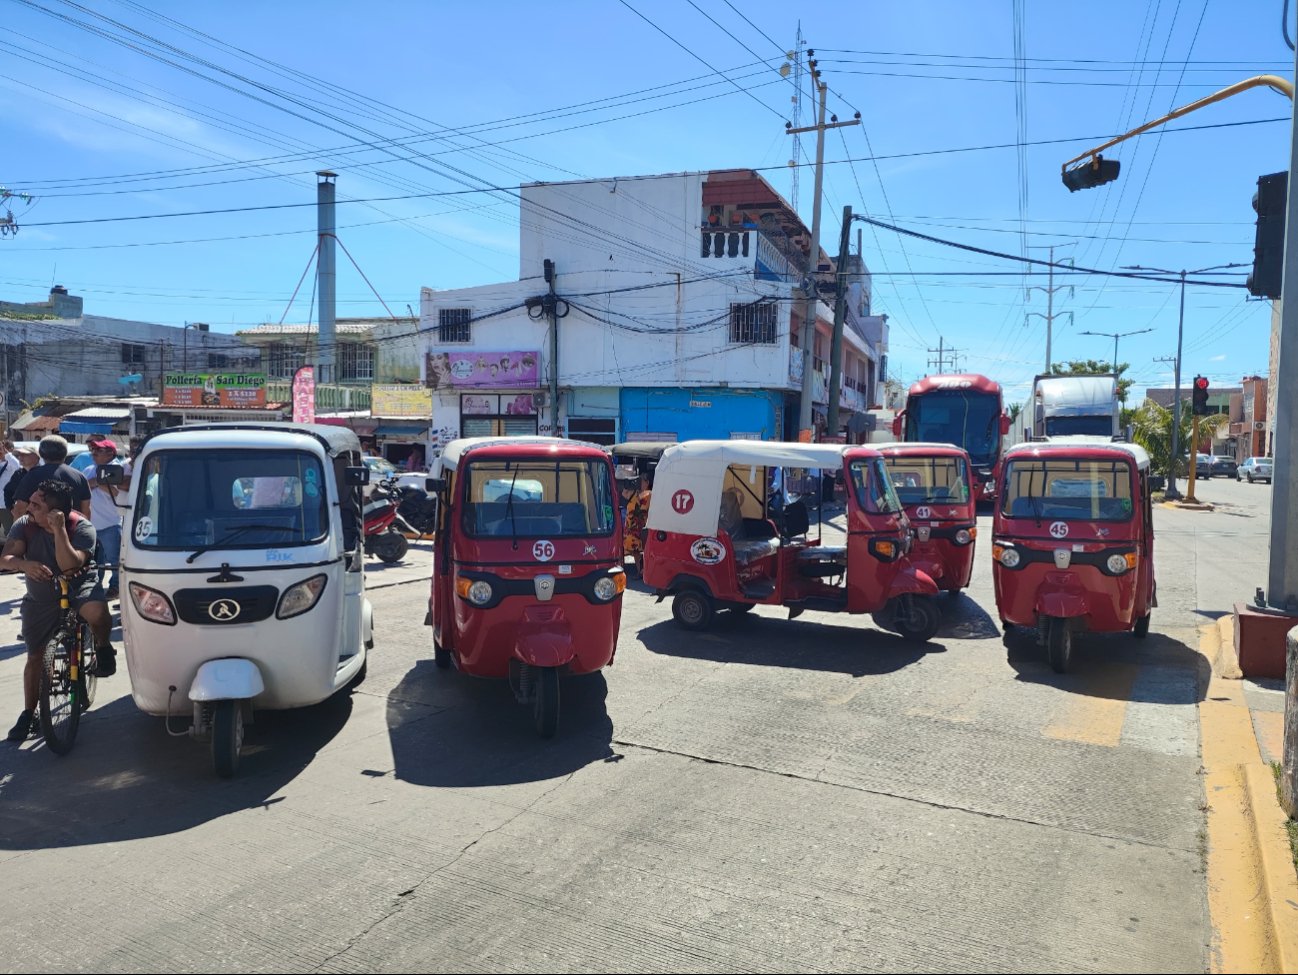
(402, 430)
(86, 426)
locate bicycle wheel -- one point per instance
(89, 663)
(60, 693)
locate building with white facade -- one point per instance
(678, 305)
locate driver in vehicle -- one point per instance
(49, 540)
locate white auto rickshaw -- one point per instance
(243, 574)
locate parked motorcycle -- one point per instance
(417, 509)
(383, 536)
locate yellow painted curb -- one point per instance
(1252, 888)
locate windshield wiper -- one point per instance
(509, 508)
(235, 533)
(1037, 508)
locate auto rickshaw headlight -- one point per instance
(1118, 564)
(607, 587)
(479, 592)
(152, 605)
(966, 535)
(297, 599)
(1008, 557)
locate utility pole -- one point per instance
(326, 276)
(1050, 314)
(942, 353)
(840, 313)
(813, 257)
(551, 308)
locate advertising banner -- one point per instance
(304, 395)
(214, 389)
(482, 370)
(401, 400)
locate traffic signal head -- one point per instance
(1270, 201)
(1200, 396)
(1096, 171)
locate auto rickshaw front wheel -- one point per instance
(916, 618)
(545, 701)
(1059, 645)
(227, 737)
(693, 609)
(1141, 629)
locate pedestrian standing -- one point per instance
(28, 460)
(53, 451)
(9, 466)
(105, 515)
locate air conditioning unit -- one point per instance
(1259, 425)
(540, 400)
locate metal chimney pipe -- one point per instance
(326, 278)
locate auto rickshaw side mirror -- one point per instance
(357, 476)
(896, 424)
(435, 485)
(111, 474)
(1006, 422)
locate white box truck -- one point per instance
(1064, 406)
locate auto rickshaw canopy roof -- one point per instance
(919, 447)
(1080, 446)
(454, 452)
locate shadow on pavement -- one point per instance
(451, 730)
(802, 644)
(1109, 665)
(126, 779)
(964, 619)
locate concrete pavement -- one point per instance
(770, 795)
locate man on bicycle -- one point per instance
(50, 540)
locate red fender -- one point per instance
(545, 644)
(912, 580)
(930, 567)
(1064, 605)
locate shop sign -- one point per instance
(304, 395)
(214, 389)
(401, 400)
(481, 370)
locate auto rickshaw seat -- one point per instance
(796, 520)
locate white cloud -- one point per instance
(1218, 358)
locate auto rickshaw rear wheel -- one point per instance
(227, 737)
(545, 700)
(1141, 629)
(917, 618)
(693, 609)
(1059, 645)
(441, 656)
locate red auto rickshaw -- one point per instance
(527, 565)
(1073, 544)
(935, 483)
(714, 545)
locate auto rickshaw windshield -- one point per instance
(925, 480)
(250, 498)
(1068, 489)
(873, 486)
(535, 498)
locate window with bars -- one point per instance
(219, 360)
(283, 360)
(753, 323)
(355, 362)
(134, 355)
(453, 324)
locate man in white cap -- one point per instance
(104, 513)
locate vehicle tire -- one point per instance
(693, 609)
(441, 656)
(545, 705)
(59, 697)
(1250, 479)
(391, 546)
(1141, 629)
(1059, 645)
(917, 618)
(89, 662)
(227, 737)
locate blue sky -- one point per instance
(247, 100)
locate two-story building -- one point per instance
(662, 307)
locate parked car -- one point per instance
(1255, 469)
(1203, 465)
(1225, 466)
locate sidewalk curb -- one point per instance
(1252, 887)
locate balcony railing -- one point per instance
(328, 399)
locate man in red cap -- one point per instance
(104, 512)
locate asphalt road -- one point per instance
(772, 795)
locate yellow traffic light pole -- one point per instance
(1274, 82)
(1194, 458)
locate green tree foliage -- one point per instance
(1094, 367)
(1153, 430)
(1014, 410)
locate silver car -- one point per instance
(1255, 469)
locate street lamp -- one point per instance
(1172, 492)
(1115, 336)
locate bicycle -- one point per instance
(67, 676)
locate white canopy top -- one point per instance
(1056, 445)
(687, 484)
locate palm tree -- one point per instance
(1153, 430)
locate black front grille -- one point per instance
(215, 607)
